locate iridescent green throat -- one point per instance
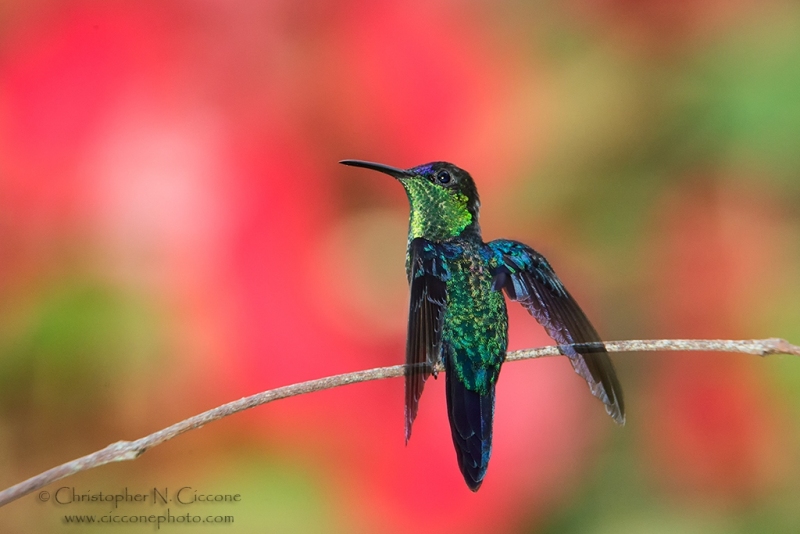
(437, 213)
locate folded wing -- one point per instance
(427, 275)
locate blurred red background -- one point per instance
(175, 233)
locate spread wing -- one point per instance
(427, 273)
(527, 278)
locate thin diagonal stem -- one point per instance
(130, 450)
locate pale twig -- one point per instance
(130, 450)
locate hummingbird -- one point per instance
(457, 313)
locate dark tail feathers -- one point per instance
(471, 415)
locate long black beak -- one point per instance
(391, 171)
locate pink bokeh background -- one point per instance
(175, 233)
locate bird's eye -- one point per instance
(443, 177)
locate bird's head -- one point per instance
(443, 197)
